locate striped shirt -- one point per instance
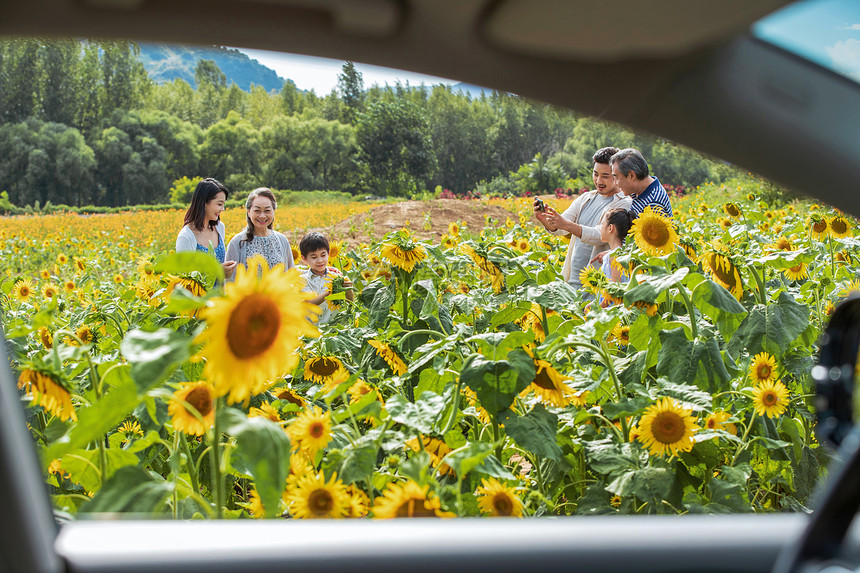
(655, 197)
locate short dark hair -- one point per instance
(629, 160)
(604, 154)
(205, 191)
(622, 219)
(311, 242)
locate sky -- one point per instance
(320, 74)
(824, 31)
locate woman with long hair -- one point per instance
(259, 238)
(203, 230)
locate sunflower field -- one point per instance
(464, 379)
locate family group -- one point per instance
(204, 231)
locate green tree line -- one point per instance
(82, 123)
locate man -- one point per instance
(582, 218)
(631, 174)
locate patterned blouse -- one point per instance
(269, 247)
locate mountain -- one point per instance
(167, 62)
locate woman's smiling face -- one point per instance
(261, 214)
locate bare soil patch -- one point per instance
(427, 220)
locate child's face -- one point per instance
(317, 261)
(605, 233)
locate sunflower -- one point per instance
(724, 223)
(387, 353)
(334, 249)
(782, 243)
(717, 421)
(131, 428)
(297, 255)
(46, 338)
(498, 500)
(615, 501)
(852, 287)
(62, 259)
(732, 210)
(80, 265)
(648, 308)
(69, 286)
(255, 505)
(359, 390)
(818, 226)
(844, 257)
(311, 431)
(267, 411)
(488, 267)
(690, 248)
(522, 245)
(193, 286)
(654, 233)
(533, 320)
(621, 334)
(763, 368)
(593, 279)
(405, 255)
(45, 274)
(50, 290)
(407, 500)
(192, 408)
(117, 278)
(23, 290)
(724, 271)
(437, 449)
(839, 227)
(770, 398)
(453, 229)
(549, 385)
(253, 331)
(288, 395)
(326, 370)
(358, 502)
(313, 498)
(49, 393)
(447, 242)
(797, 272)
(666, 427)
(750, 196)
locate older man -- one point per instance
(635, 181)
(582, 218)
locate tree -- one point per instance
(207, 72)
(124, 79)
(59, 82)
(230, 147)
(396, 146)
(350, 85)
(21, 81)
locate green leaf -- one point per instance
(463, 460)
(186, 262)
(689, 396)
(534, 432)
(606, 456)
(496, 345)
(358, 462)
(698, 361)
(104, 415)
(720, 306)
(430, 304)
(131, 490)
(497, 383)
(557, 295)
(421, 416)
(650, 286)
(262, 451)
(380, 306)
(182, 300)
(651, 484)
(510, 313)
(83, 465)
(154, 355)
(771, 328)
(626, 407)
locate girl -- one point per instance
(259, 238)
(203, 227)
(613, 229)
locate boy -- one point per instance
(318, 277)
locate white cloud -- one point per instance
(851, 27)
(846, 57)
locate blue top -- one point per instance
(655, 197)
(220, 251)
(607, 267)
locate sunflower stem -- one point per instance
(215, 462)
(743, 445)
(455, 406)
(189, 462)
(694, 323)
(607, 359)
(759, 284)
(97, 388)
(544, 321)
(832, 263)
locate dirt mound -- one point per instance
(426, 219)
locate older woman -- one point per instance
(203, 230)
(259, 238)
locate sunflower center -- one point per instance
(320, 502)
(711, 423)
(324, 367)
(819, 227)
(254, 326)
(764, 371)
(414, 508)
(201, 399)
(769, 399)
(656, 233)
(502, 504)
(839, 226)
(667, 427)
(316, 430)
(289, 398)
(543, 380)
